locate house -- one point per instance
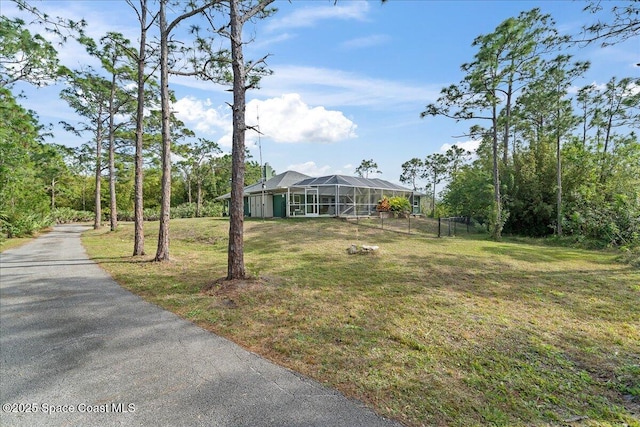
(292, 194)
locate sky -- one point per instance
(350, 78)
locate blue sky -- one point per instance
(349, 80)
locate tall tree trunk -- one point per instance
(162, 253)
(189, 199)
(559, 184)
(433, 197)
(84, 191)
(235, 267)
(53, 193)
(198, 198)
(138, 215)
(497, 200)
(113, 207)
(507, 127)
(97, 221)
(607, 138)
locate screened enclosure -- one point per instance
(292, 194)
(338, 195)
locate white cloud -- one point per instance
(288, 119)
(471, 146)
(310, 168)
(262, 44)
(364, 42)
(310, 16)
(634, 89)
(202, 116)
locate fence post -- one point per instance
(439, 226)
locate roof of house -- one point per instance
(296, 179)
(283, 180)
(280, 181)
(352, 181)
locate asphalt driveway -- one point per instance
(77, 349)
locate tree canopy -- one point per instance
(553, 158)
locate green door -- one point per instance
(279, 206)
(247, 208)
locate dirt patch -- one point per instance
(228, 291)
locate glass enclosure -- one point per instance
(338, 200)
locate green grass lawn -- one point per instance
(454, 331)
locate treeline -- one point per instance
(43, 183)
(141, 161)
(125, 110)
(552, 158)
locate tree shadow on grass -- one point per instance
(124, 259)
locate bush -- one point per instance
(148, 214)
(609, 224)
(189, 210)
(399, 204)
(212, 209)
(185, 210)
(23, 224)
(66, 215)
(151, 214)
(383, 205)
(125, 215)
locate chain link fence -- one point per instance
(420, 225)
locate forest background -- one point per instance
(551, 158)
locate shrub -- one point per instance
(399, 204)
(151, 214)
(184, 210)
(66, 215)
(24, 224)
(383, 205)
(608, 224)
(189, 210)
(125, 215)
(212, 209)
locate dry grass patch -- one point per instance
(429, 331)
